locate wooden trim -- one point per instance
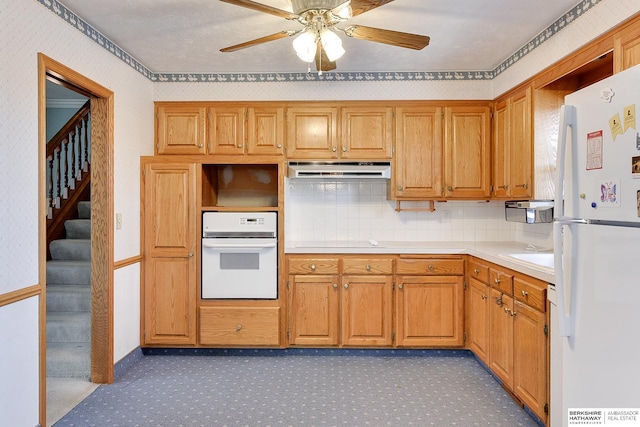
(102, 110)
(19, 295)
(127, 262)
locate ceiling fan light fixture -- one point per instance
(332, 44)
(305, 45)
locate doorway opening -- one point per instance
(101, 218)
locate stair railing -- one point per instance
(68, 167)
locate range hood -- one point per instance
(529, 211)
(343, 170)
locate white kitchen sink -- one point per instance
(538, 260)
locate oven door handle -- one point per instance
(214, 245)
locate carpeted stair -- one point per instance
(69, 299)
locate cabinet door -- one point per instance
(521, 146)
(530, 357)
(169, 246)
(429, 311)
(314, 312)
(312, 133)
(226, 130)
(367, 133)
(265, 135)
(626, 48)
(180, 129)
(500, 160)
(366, 310)
(479, 319)
(467, 154)
(501, 340)
(417, 171)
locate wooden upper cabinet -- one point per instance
(312, 132)
(417, 166)
(513, 147)
(180, 129)
(265, 130)
(467, 152)
(367, 132)
(626, 47)
(226, 130)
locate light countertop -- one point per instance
(514, 255)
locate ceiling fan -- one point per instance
(316, 40)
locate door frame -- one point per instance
(102, 112)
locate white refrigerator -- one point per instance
(595, 342)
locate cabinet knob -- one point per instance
(239, 145)
(400, 286)
(190, 254)
(346, 286)
(313, 267)
(367, 267)
(497, 280)
(335, 286)
(344, 149)
(238, 327)
(200, 145)
(279, 145)
(334, 149)
(399, 187)
(476, 271)
(504, 187)
(484, 296)
(430, 267)
(525, 293)
(449, 188)
(525, 185)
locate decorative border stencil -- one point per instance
(99, 38)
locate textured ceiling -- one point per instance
(185, 36)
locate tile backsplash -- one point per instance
(358, 210)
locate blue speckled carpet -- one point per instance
(301, 388)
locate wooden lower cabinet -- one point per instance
(501, 341)
(478, 319)
(343, 301)
(314, 310)
(237, 326)
(429, 301)
(366, 310)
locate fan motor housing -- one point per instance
(301, 6)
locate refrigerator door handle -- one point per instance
(567, 121)
(565, 318)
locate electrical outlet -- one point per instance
(446, 216)
(118, 221)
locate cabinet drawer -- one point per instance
(436, 267)
(479, 271)
(313, 265)
(501, 281)
(530, 293)
(367, 266)
(239, 326)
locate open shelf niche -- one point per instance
(246, 186)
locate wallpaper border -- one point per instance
(81, 25)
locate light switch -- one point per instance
(118, 221)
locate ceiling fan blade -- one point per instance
(265, 39)
(394, 38)
(361, 6)
(322, 61)
(263, 8)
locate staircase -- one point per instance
(69, 299)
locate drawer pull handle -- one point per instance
(430, 267)
(525, 293)
(475, 270)
(238, 327)
(368, 267)
(497, 280)
(313, 267)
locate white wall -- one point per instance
(26, 28)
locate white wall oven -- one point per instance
(239, 255)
